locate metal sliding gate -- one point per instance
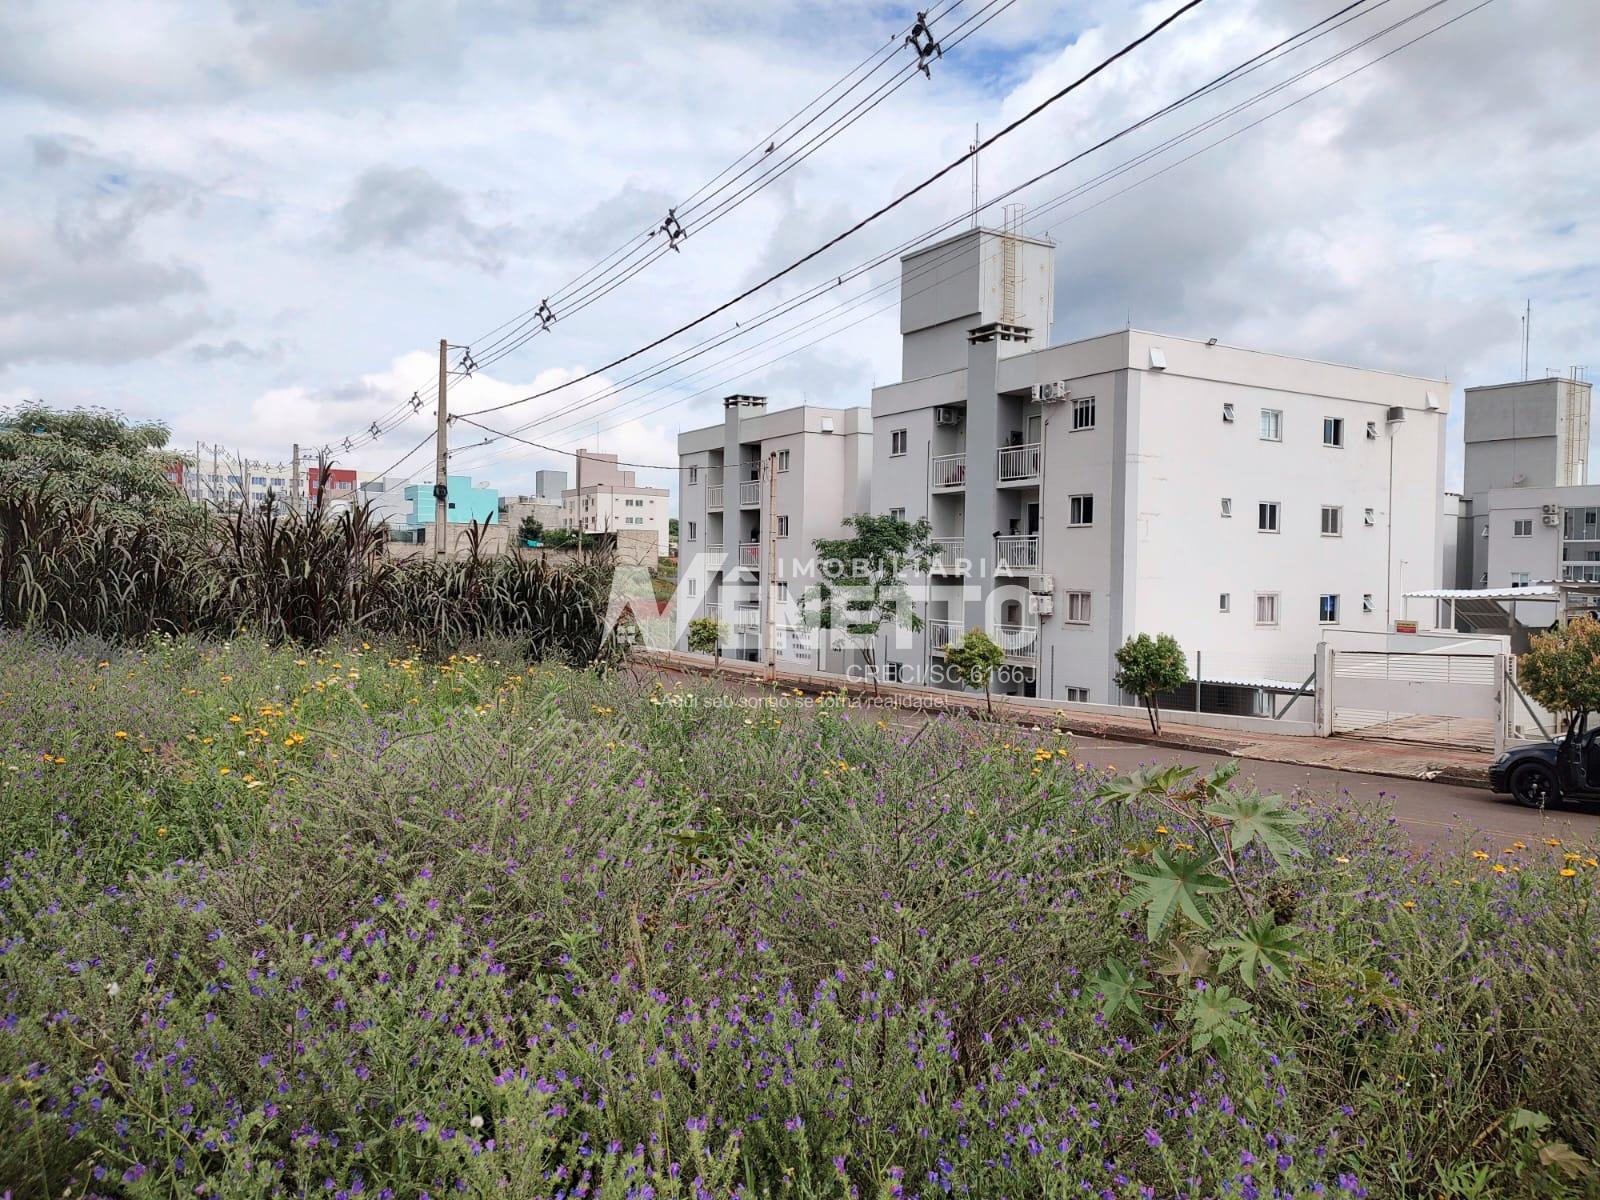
(1447, 696)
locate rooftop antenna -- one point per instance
(1527, 326)
(975, 140)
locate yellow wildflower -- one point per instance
(1480, 854)
(1567, 872)
(121, 735)
(1499, 868)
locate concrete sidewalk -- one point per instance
(1364, 756)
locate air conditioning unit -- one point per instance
(1041, 583)
(944, 415)
(1041, 606)
(1551, 510)
(1396, 413)
(1052, 393)
(1551, 519)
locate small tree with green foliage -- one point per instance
(1561, 670)
(531, 530)
(560, 539)
(706, 636)
(864, 579)
(1148, 666)
(974, 660)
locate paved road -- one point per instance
(1429, 812)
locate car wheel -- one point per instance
(1533, 785)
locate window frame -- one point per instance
(1277, 425)
(783, 461)
(783, 525)
(1224, 602)
(1080, 603)
(1081, 504)
(1338, 520)
(1272, 599)
(694, 476)
(1077, 695)
(899, 438)
(1517, 524)
(1227, 507)
(1335, 425)
(1323, 608)
(1080, 406)
(1276, 507)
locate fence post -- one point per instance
(1197, 681)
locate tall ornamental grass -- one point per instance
(354, 922)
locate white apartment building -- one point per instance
(1245, 502)
(608, 500)
(798, 472)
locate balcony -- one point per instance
(949, 471)
(749, 556)
(711, 609)
(750, 493)
(949, 556)
(1019, 642)
(1017, 553)
(747, 618)
(713, 547)
(713, 497)
(1019, 464)
(942, 633)
(1580, 572)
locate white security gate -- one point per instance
(1451, 696)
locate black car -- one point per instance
(1539, 776)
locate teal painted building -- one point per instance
(467, 503)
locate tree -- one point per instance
(864, 585)
(531, 530)
(706, 636)
(89, 454)
(1561, 670)
(974, 660)
(672, 528)
(1148, 666)
(561, 539)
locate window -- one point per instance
(694, 531)
(1366, 602)
(1272, 425)
(1077, 608)
(694, 474)
(1520, 579)
(1267, 516)
(1372, 431)
(1333, 431)
(897, 442)
(783, 460)
(1369, 517)
(1080, 510)
(1332, 520)
(1266, 608)
(1227, 412)
(899, 514)
(691, 588)
(1328, 609)
(783, 526)
(1522, 527)
(1227, 506)
(1224, 603)
(258, 481)
(783, 591)
(1082, 417)
(1077, 695)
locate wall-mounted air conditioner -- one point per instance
(945, 415)
(1551, 519)
(1041, 583)
(1041, 606)
(1551, 510)
(1396, 413)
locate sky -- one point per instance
(254, 220)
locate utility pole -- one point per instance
(772, 566)
(441, 459)
(294, 481)
(214, 481)
(197, 472)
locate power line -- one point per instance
(867, 220)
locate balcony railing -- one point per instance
(750, 494)
(750, 556)
(942, 633)
(1017, 464)
(1017, 553)
(1580, 572)
(713, 496)
(950, 471)
(948, 556)
(713, 547)
(1019, 641)
(747, 618)
(712, 609)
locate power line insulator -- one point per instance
(674, 231)
(921, 40)
(547, 318)
(416, 402)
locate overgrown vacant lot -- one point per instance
(275, 923)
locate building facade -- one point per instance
(545, 505)
(795, 473)
(1083, 493)
(607, 499)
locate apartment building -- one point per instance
(545, 504)
(607, 499)
(408, 508)
(796, 472)
(1530, 514)
(1245, 502)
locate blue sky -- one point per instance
(254, 220)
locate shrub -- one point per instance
(1148, 666)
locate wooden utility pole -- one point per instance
(441, 459)
(772, 566)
